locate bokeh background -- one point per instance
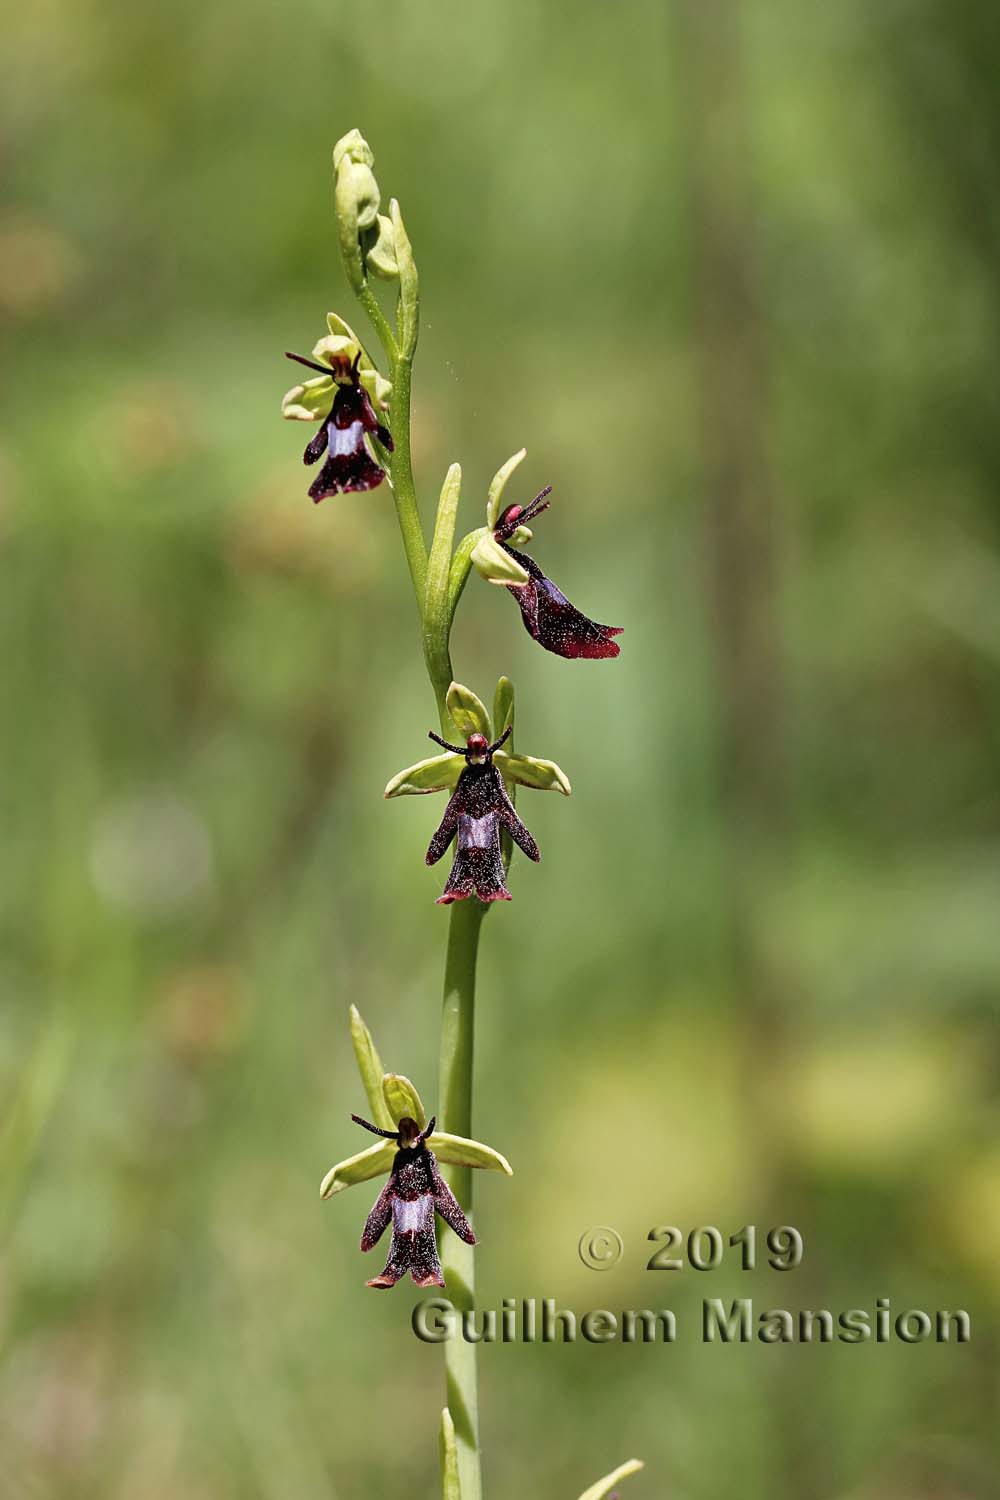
(728, 272)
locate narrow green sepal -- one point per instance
(448, 1448)
(371, 1070)
(468, 713)
(498, 484)
(401, 1098)
(503, 708)
(603, 1487)
(495, 565)
(457, 1151)
(375, 383)
(310, 401)
(374, 1162)
(437, 774)
(528, 770)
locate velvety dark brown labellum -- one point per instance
(479, 809)
(549, 617)
(414, 1193)
(349, 466)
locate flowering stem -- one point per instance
(383, 328)
(437, 587)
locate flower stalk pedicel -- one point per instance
(360, 451)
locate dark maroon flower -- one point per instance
(341, 436)
(414, 1192)
(549, 617)
(479, 809)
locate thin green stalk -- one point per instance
(455, 1108)
(457, 1021)
(403, 489)
(383, 327)
(437, 587)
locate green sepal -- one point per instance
(401, 1098)
(457, 1151)
(503, 708)
(434, 775)
(468, 713)
(378, 388)
(374, 1162)
(498, 484)
(380, 249)
(448, 1449)
(495, 565)
(371, 1070)
(528, 770)
(603, 1487)
(310, 401)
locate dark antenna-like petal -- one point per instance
(389, 1135)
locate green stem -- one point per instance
(455, 1111)
(404, 492)
(437, 586)
(383, 327)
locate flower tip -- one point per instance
(354, 146)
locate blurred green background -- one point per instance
(728, 272)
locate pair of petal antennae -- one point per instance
(463, 749)
(395, 1135)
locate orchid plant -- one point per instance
(363, 440)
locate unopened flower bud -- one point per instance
(356, 197)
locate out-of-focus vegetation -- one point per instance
(729, 273)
